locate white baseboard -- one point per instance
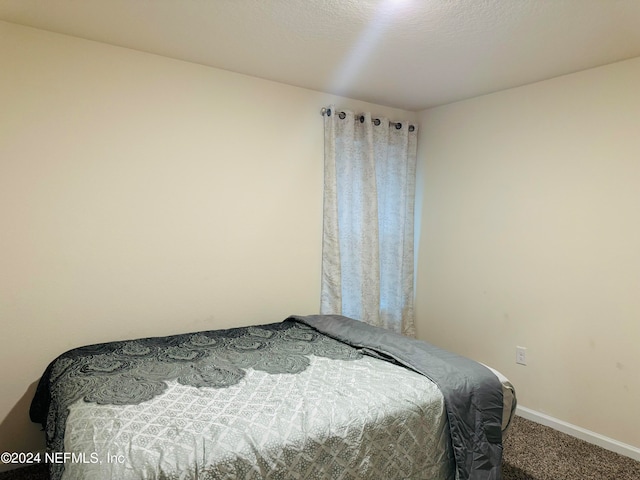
(579, 432)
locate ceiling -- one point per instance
(409, 54)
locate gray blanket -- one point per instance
(472, 393)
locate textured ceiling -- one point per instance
(410, 54)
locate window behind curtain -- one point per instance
(369, 195)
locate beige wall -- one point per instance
(144, 196)
(530, 235)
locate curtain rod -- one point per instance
(376, 121)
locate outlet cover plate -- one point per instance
(521, 355)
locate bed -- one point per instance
(313, 397)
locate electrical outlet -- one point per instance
(521, 355)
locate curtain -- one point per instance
(369, 196)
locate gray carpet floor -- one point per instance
(535, 452)
(531, 452)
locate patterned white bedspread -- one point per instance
(337, 419)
